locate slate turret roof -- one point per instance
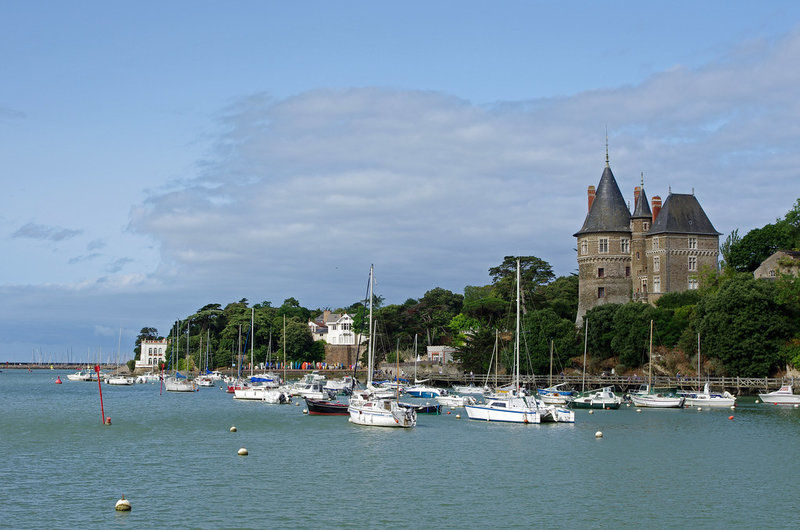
(609, 213)
(642, 209)
(682, 214)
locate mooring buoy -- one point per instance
(123, 505)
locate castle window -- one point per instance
(584, 247)
(656, 263)
(693, 243)
(645, 226)
(637, 255)
(657, 284)
(602, 245)
(655, 243)
(627, 272)
(644, 285)
(692, 283)
(601, 292)
(625, 245)
(692, 263)
(601, 272)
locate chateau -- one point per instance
(639, 256)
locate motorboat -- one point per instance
(423, 391)
(454, 401)
(603, 398)
(262, 393)
(783, 396)
(470, 389)
(516, 409)
(83, 375)
(122, 380)
(324, 407)
(556, 395)
(706, 398)
(178, 383)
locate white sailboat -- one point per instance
(365, 407)
(419, 388)
(177, 382)
(706, 398)
(653, 399)
(513, 407)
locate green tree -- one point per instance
(539, 328)
(561, 295)
(759, 244)
(745, 326)
(534, 273)
(599, 331)
(632, 333)
(145, 334)
(476, 352)
(435, 310)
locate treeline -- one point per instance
(746, 327)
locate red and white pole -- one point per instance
(102, 413)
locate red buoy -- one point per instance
(58, 379)
(730, 417)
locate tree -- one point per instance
(435, 310)
(561, 296)
(599, 330)
(476, 352)
(632, 333)
(759, 244)
(145, 334)
(534, 272)
(745, 326)
(539, 328)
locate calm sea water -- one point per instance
(174, 458)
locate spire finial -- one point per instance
(607, 146)
(642, 179)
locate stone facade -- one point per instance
(624, 256)
(781, 262)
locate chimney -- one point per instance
(656, 206)
(590, 192)
(636, 191)
(325, 315)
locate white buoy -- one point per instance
(458, 416)
(638, 410)
(296, 403)
(598, 434)
(795, 405)
(756, 401)
(733, 407)
(627, 404)
(233, 428)
(699, 408)
(123, 505)
(591, 411)
(305, 411)
(242, 452)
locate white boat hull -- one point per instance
(172, 384)
(456, 401)
(657, 402)
(515, 410)
(381, 413)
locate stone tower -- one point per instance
(604, 253)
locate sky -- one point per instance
(159, 156)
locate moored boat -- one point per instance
(706, 398)
(603, 398)
(783, 396)
(324, 407)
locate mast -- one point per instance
(208, 339)
(371, 334)
(239, 354)
(284, 348)
(252, 338)
(698, 360)
(189, 323)
(551, 364)
(516, 338)
(585, 342)
(650, 364)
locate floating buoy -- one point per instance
(305, 411)
(756, 401)
(699, 408)
(233, 428)
(730, 417)
(242, 452)
(796, 405)
(598, 434)
(458, 416)
(297, 404)
(123, 505)
(733, 407)
(108, 420)
(591, 411)
(638, 410)
(627, 404)
(58, 380)
(449, 412)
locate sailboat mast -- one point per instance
(585, 342)
(371, 334)
(516, 338)
(189, 323)
(551, 363)
(284, 348)
(698, 361)
(650, 364)
(252, 337)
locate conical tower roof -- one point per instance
(609, 213)
(642, 209)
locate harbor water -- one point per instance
(174, 457)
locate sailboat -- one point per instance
(653, 399)
(365, 407)
(602, 398)
(178, 382)
(419, 389)
(513, 407)
(706, 398)
(555, 394)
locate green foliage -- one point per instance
(144, 334)
(744, 326)
(461, 326)
(539, 328)
(435, 310)
(534, 272)
(678, 299)
(561, 296)
(632, 333)
(600, 332)
(759, 244)
(131, 365)
(476, 352)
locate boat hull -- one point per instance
(504, 411)
(381, 413)
(658, 402)
(595, 404)
(320, 407)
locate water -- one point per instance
(174, 458)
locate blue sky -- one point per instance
(158, 156)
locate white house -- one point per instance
(441, 354)
(333, 328)
(153, 352)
